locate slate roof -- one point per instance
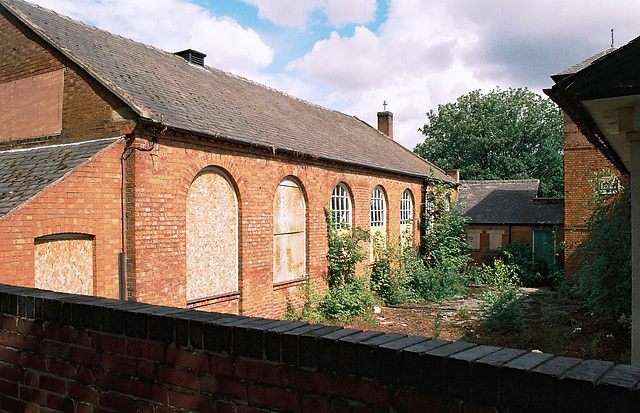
(165, 88)
(507, 202)
(581, 65)
(24, 173)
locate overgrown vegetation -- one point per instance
(502, 308)
(605, 255)
(531, 272)
(400, 272)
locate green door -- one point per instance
(544, 245)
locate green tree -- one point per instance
(505, 134)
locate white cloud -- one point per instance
(175, 25)
(342, 12)
(285, 12)
(346, 62)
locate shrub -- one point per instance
(353, 299)
(502, 301)
(532, 272)
(605, 255)
(391, 271)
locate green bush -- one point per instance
(605, 255)
(390, 278)
(502, 311)
(353, 299)
(532, 272)
(502, 300)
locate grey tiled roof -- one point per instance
(507, 202)
(165, 88)
(579, 66)
(24, 173)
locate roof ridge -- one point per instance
(114, 138)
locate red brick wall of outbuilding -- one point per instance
(87, 202)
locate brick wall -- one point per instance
(62, 352)
(157, 204)
(87, 202)
(88, 111)
(512, 233)
(582, 161)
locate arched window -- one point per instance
(378, 208)
(341, 206)
(406, 207)
(289, 240)
(212, 236)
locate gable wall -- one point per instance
(162, 179)
(581, 163)
(87, 202)
(87, 107)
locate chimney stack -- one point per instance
(385, 123)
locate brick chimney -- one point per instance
(385, 123)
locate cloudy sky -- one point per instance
(351, 55)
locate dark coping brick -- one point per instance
(458, 369)
(615, 391)
(255, 338)
(289, 342)
(113, 320)
(241, 332)
(346, 351)
(22, 305)
(403, 364)
(432, 362)
(223, 330)
(161, 329)
(142, 325)
(543, 389)
(327, 347)
(38, 308)
(366, 353)
(31, 307)
(576, 390)
(272, 347)
(386, 355)
(485, 378)
(514, 379)
(182, 332)
(308, 345)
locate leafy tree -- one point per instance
(510, 134)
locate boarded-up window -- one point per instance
(473, 238)
(31, 107)
(64, 263)
(289, 240)
(495, 239)
(212, 236)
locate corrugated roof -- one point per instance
(24, 173)
(166, 88)
(507, 202)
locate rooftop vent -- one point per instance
(192, 56)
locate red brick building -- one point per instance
(127, 171)
(506, 211)
(585, 168)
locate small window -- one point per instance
(341, 206)
(64, 263)
(495, 239)
(429, 212)
(473, 238)
(608, 185)
(406, 208)
(378, 208)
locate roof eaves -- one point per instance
(122, 95)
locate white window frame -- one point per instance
(341, 206)
(378, 207)
(406, 207)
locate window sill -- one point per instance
(288, 283)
